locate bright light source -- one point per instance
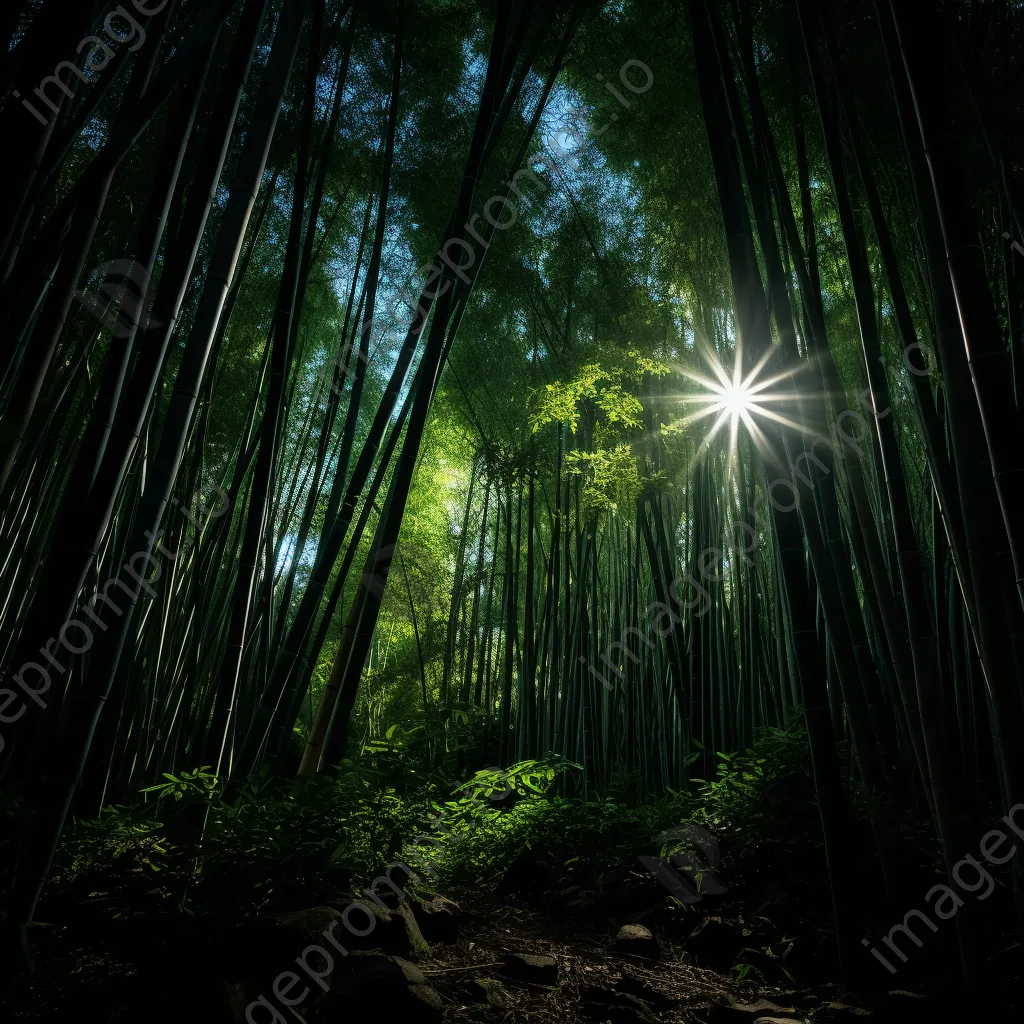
(732, 398)
(736, 401)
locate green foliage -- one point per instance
(759, 802)
(582, 847)
(198, 784)
(528, 778)
(612, 479)
(273, 843)
(756, 796)
(470, 827)
(561, 400)
(608, 464)
(124, 838)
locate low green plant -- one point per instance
(121, 838)
(760, 798)
(199, 784)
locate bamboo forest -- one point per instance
(512, 511)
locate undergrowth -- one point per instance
(274, 845)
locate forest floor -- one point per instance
(490, 958)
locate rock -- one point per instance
(776, 1020)
(834, 1008)
(424, 1004)
(490, 990)
(410, 972)
(734, 1012)
(530, 969)
(418, 947)
(260, 948)
(636, 940)
(359, 970)
(254, 951)
(381, 988)
(758, 1006)
(439, 919)
(385, 930)
(389, 932)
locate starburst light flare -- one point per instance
(735, 397)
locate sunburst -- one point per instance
(734, 398)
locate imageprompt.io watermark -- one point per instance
(946, 901)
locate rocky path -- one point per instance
(436, 961)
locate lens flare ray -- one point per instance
(733, 397)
